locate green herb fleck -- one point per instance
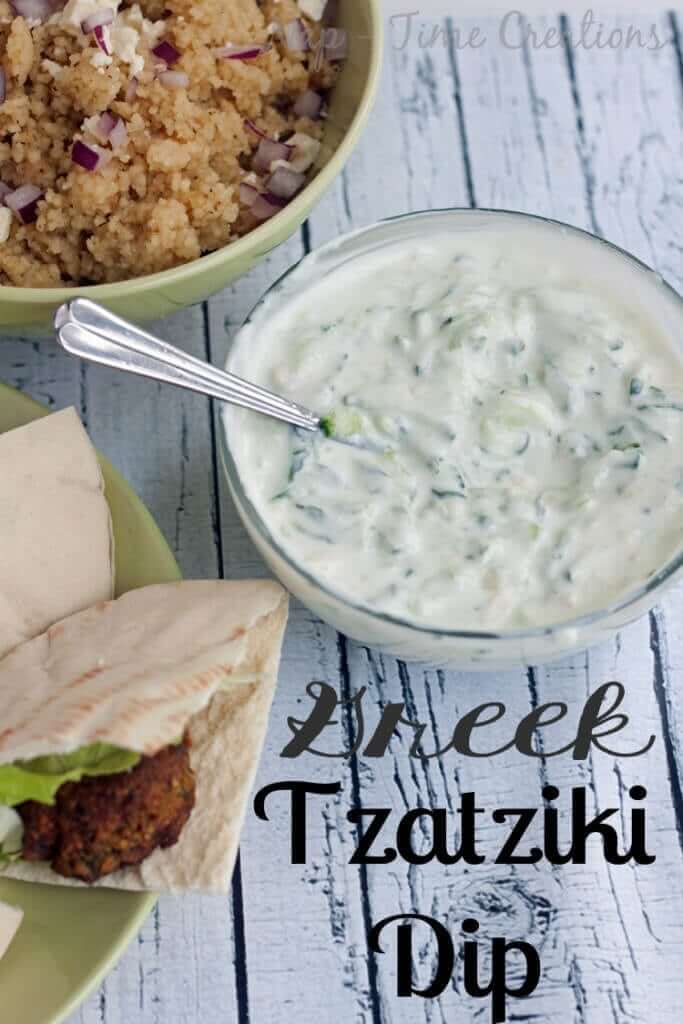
(312, 512)
(447, 494)
(515, 347)
(626, 447)
(327, 425)
(298, 459)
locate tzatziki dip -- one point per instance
(503, 442)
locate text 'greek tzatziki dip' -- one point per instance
(506, 432)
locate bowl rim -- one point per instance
(656, 582)
(261, 237)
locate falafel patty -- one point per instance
(104, 823)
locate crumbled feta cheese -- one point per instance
(306, 149)
(125, 45)
(101, 60)
(123, 36)
(5, 223)
(52, 67)
(274, 164)
(150, 31)
(129, 28)
(76, 11)
(313, 9)
(91, 125)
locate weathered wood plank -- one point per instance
(518, 903)
(623, 934)
(608, 977)
(410, 157)
(632, 161)
(427, 116)
(301, 921)
(520, 171)
(638, 191)
(520, 122)
(666, 641)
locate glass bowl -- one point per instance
(462, 649)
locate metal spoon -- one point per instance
(91, 332)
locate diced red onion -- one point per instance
(308, 104)
(104, 126)
(24, 201)
(266, 204)
(98, 19)
(248, 193)
(118, 136)
(35, 10)
(174, 79)
(296, 35)
(329, 15)
(335, 43)
(3, 85)
(285, 183)
(167, 52)
(254, 128)
(131, 90)
(102, 39)
(249, 51)
(85, 156)
(269, 151)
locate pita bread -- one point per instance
(136, 672)
(55, 527)
(10, 920)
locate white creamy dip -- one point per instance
(507, 444)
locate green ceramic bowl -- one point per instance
(29, 311)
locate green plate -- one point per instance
(70, 938)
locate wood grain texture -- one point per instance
(593, 137)
(299, 921)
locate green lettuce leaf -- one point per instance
(9, 858)
(40, 778)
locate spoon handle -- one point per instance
(91, 332)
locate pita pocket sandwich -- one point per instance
(55, 528)
(130, 734)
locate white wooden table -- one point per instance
(593, 137)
